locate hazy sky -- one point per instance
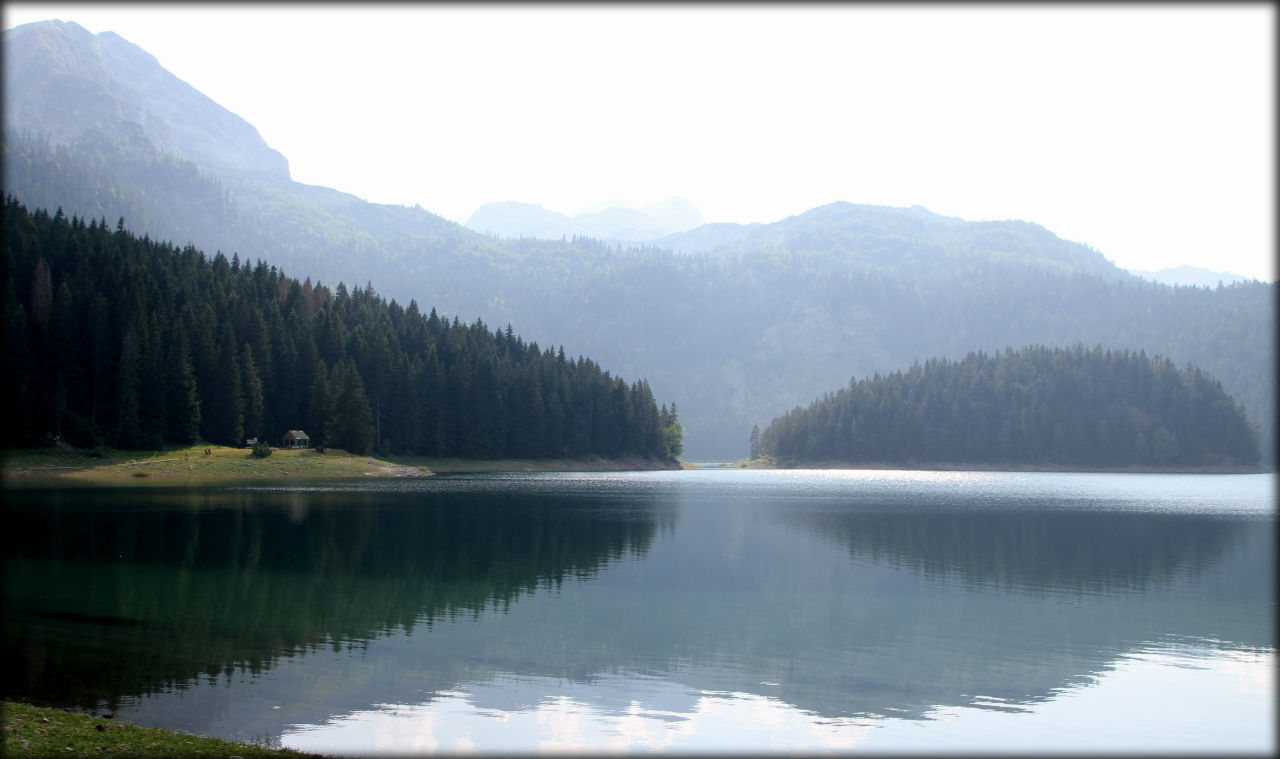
(1145, 131)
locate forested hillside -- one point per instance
(755, 320)
(735, 338)
(109, 338)
(912, 242)
(1035, 406)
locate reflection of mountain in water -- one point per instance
(835, 607)
(103, 600)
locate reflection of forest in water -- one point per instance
(918, 606)
(1034, 548)
(833, 608)
(104, 599)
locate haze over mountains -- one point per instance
(677, 225)
(1191, 276)
(738, 323)
(513, 220)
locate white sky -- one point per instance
(1144, 131)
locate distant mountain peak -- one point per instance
(63, 81)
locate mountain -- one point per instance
(513, 220)
(676, 214)
(911, 241)
(66, 82)
(130, 139)
(734, 323)
(1190, 276)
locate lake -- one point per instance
(689, 611)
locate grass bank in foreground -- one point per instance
(193, 466)
(33, 731)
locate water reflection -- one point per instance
(1139, 706)
(650, 610)
(112, 593)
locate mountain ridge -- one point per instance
(774, 316)
(840, 227)
(516, 220)
(1190, 276)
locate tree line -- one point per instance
(1060, 406)
(111, 339)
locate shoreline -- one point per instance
(44, 467)
(947, 466)
(50, 467)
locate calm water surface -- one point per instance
(716, 610)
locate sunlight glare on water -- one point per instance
(570, 717)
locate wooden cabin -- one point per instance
(296, 439)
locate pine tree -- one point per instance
(320, 407)
(226, 409)
(673, 435)
(351, 423)
(183, 395)
(128, 432)
(251, 386)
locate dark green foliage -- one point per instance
(350, 424)
(1068, 407)
(261, 449)
(320, 409)
(183, 401)
(119, 340)
(225, 410)
(672, 433)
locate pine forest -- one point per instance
(1036, 406)
(111, 339)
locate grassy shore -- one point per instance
(193, 466)
(33, 731)
(593, 464)
(190, 465)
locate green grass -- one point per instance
(466, 466)
(33, 731)
(191, 465)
